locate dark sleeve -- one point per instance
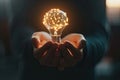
(20, 34)
(96, 45)
(96, 33)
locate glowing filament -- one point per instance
(55, 19)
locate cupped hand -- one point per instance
(71, 50)
(45, 51)
(65, 54)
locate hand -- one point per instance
(65, 54)
(71, 50)
(45, 50)
(77, 40)
(40, 38)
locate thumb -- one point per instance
(35, 42)
(82, 44)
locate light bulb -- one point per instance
(55, 20)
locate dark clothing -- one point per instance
(85, 16)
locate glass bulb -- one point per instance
(55, 20)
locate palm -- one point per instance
(65, 54)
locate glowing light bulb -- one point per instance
(55, 20)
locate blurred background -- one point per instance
(10, 66)
(109, 67)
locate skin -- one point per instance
(60, 55)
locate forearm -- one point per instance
(96, 46)
(20, 35)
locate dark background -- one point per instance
(11, 63)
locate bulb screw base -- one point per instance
(56, 38)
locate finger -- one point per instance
(68, 59)
(55, 55)
(45, 36)
(42, 36)
(50, 58)
(82, 44)
(42, 51)
(35, 42)
(61, 58)
(72, 50)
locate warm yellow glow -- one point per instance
(113, 3)
(55, 20)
